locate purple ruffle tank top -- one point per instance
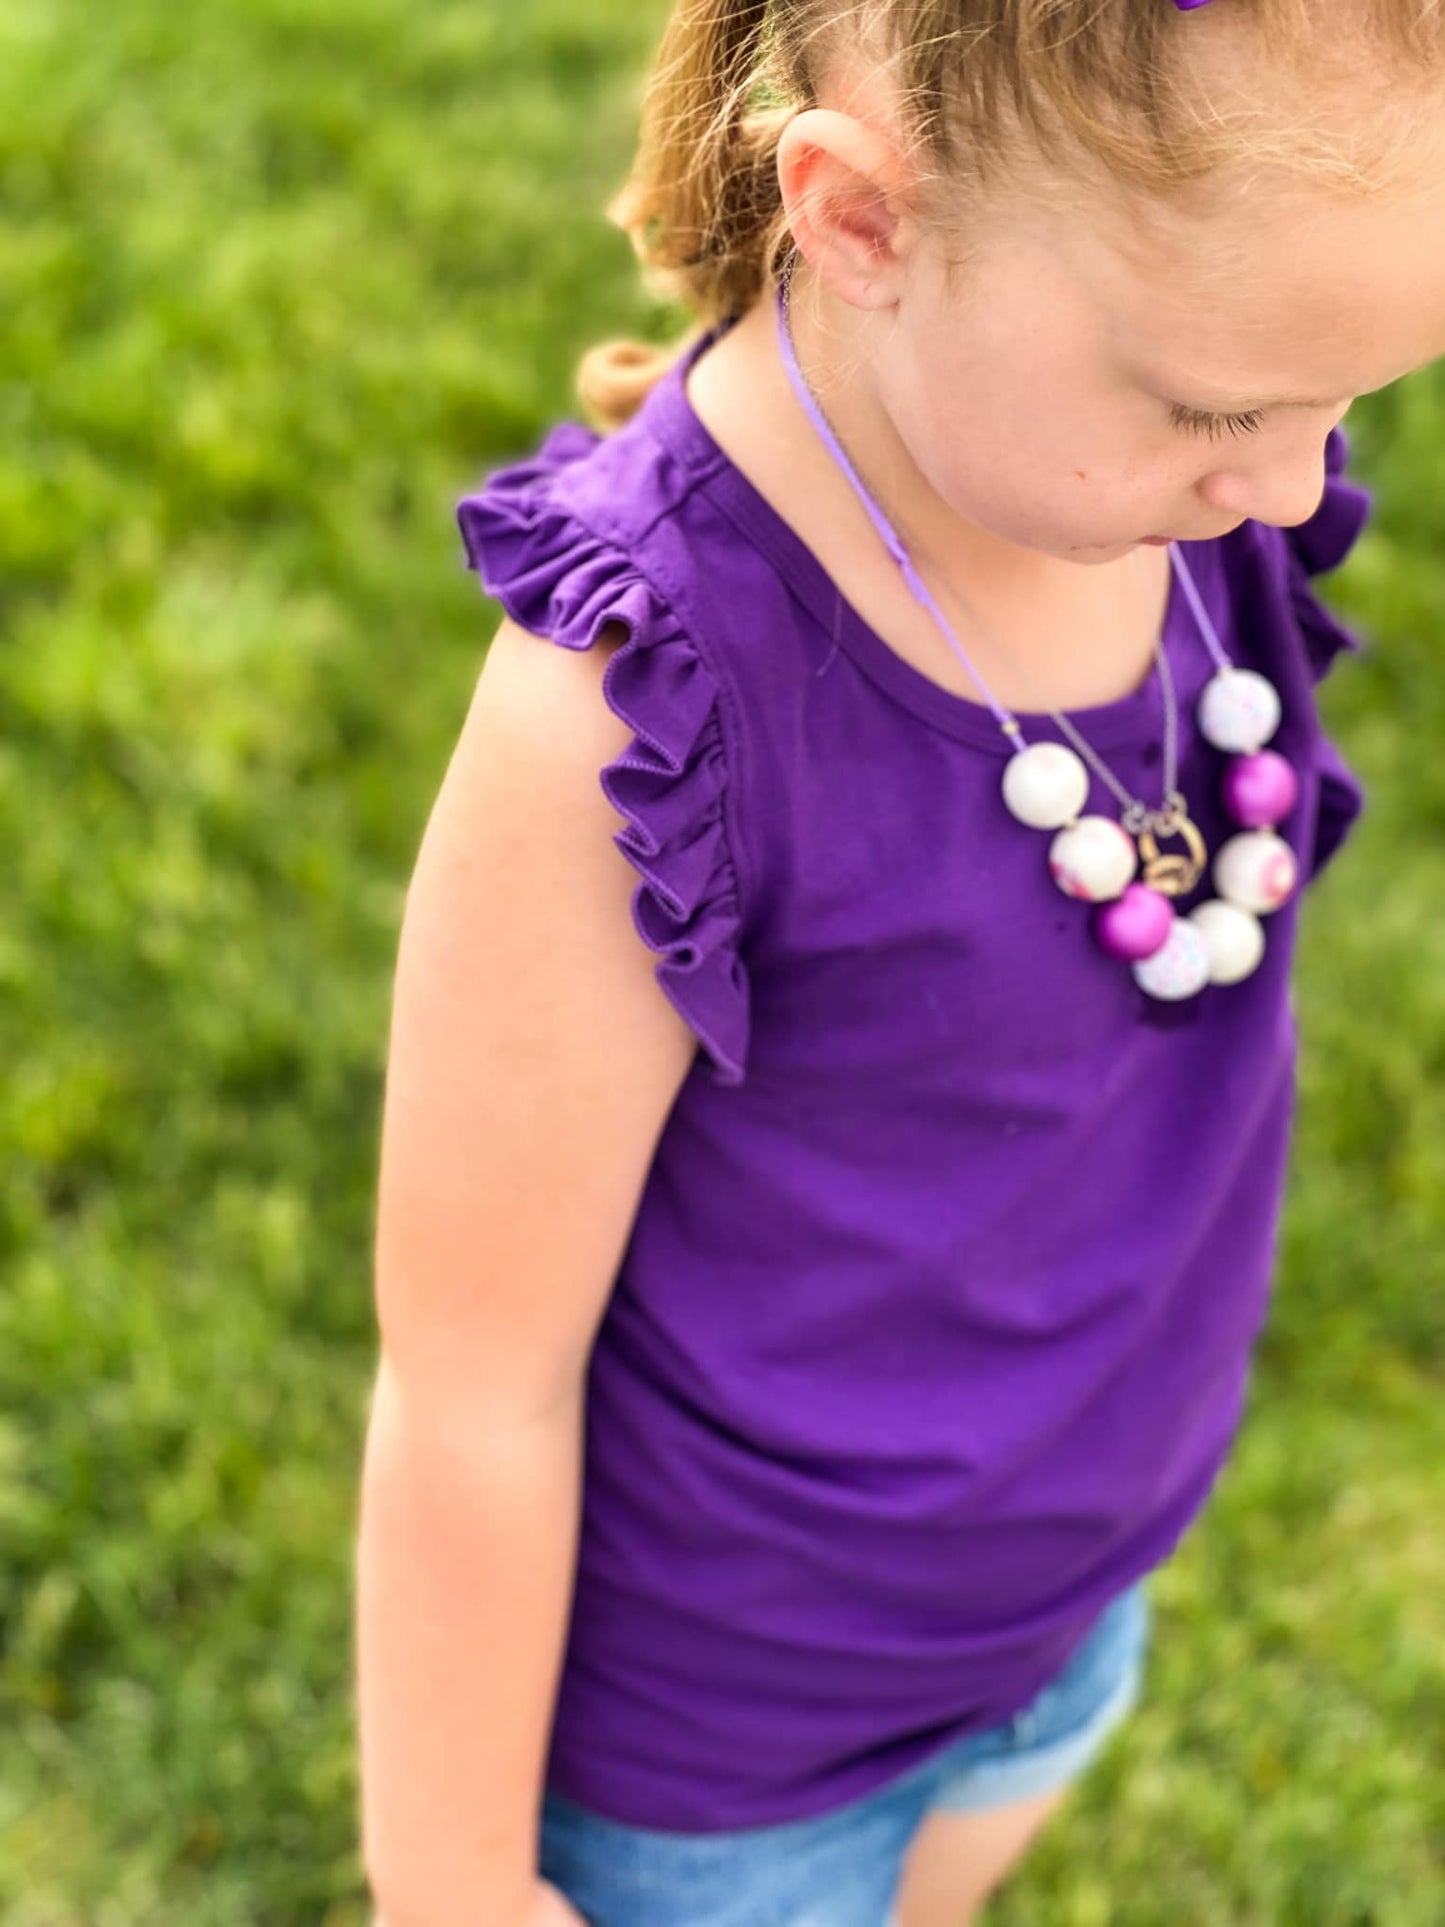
(934, 1325)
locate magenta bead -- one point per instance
(1260, 790)
(1135, 925)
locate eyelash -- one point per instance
(1193, 421)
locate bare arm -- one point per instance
(533, 1061)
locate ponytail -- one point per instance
(702, 204)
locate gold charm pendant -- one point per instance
(1174, 876)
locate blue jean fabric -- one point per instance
(842, 1868)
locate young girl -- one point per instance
(825, 1219)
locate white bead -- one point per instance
(1235, 939)
(1256, 870)
(1093, 859)
(1046, 785)
(1239, 710)
(1180, 969)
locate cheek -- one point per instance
(1010, 462)
(996, 475)
(970, 450)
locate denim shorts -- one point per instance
(842, 1868)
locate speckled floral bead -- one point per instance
(1239, 710)
(1180, 969)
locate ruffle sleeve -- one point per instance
(1313, 548)
(1322, 543)
(556, 578)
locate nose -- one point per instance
(1281, 494)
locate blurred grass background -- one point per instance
(282, 278)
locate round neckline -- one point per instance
(669, 411)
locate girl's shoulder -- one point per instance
(580, 542)
(580, 500)
(624, 526)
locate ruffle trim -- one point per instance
(1321, 544)
(1313, 548)
(1342, 800)
(556, 578)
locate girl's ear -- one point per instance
(845, 189)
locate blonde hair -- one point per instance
(1100, 91)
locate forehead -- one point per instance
(1314, 270)
(1284, 295)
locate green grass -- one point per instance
(282, 278)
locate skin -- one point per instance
(1015, 426)
(1020, 440)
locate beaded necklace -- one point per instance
(1096, 860)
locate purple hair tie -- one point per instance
(1185, 6)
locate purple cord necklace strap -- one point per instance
(879, 520)
(1046, 786)
(1136, 812)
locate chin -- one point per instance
(1100, 552)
